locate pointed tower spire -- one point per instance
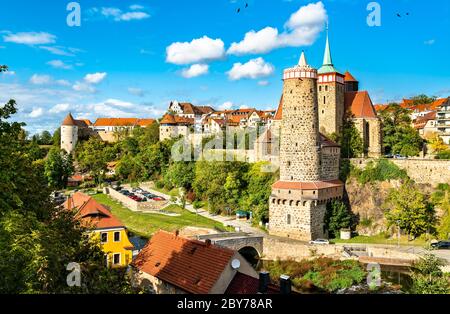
(302, 62)
(327, 55)
(327, 66)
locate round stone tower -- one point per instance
(69, 134)
(300, 141)
(298, 200)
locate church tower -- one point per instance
(298, 201)
(331, 95)
(69, 134)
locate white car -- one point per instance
(320, 242)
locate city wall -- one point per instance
(423, 171)
(149, 206)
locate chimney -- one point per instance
(264, 281)
(177, 233)
(208, 242)
(285, 284)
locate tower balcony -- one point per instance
(291, 193)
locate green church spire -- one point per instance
(327, 66)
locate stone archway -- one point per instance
(251, 255)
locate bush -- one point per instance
(159, 184)
(382, 170)
(443, 155)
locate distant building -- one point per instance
(73, 130)
(443, 121)
(103, 225)
(170, 264)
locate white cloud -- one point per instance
(195, 70)
(198, 50)
(36, 113)
(226, 105)
(253, 69)
(63, 82)
(95, 78)
(37, 79)
(129, 16)
(429, 42)
(119, 15)
(58, 64)
(263, 83)
(30, 38)
(136, 91)
(83, 87)
(9, 73)
(58, 50)
(302, 29)
(136, 7)
(59, 108)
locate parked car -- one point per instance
(441, 245)
(125, 192)
(158, 199)
(398, 156)
(388, 156)
(319, 242)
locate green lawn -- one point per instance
(146, 224)
(174, 192)
(381, 239)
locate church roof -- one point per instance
(360, 104)
(349, 77)
(69, 120)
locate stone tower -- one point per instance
(331, 95)
(298, 201)
(69, 134)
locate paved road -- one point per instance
(227, 221)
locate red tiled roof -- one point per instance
(320, 185)
(91, 213)
(421, 122)
(279, 113)
(190, 265)
(171, 119)
(123, 122)
(360, 104)
(349, 77)
(69, 120)
(189, 108)
(244, 284)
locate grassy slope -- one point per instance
(146, 224)
(381, 239)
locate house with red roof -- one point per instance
(103, 226)
(171, 264)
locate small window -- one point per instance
(288, 163)
(288, 219)
(324, 100)
(104, 237)
(116, 259)
(326, 88)
(117, 236)
(320, 88)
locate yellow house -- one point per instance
(109, 230)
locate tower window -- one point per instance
(288, 163)
(288, 219)
(320, 88)
(326, 88)
(324, 99)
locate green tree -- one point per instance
(399, 137)
(180, 174)
(259, 190)
(91, 158)
(37, 239)
(337, 217)
(58, 168)
(428, 277)
(409, 209)
(423, 99)
(441, 199)
(351, 139)
(46, 138)
(57, 137)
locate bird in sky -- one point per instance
(238, 10)
(398, 14)
(246, 5)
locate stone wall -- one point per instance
(423, 171)
(297, 220)
(150, 206)
(285, 249)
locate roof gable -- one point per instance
(190, 265)
(359, 104)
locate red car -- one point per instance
(158, 199)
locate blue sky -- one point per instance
(130, 58)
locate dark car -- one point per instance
(441, 245)
(125, 192)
